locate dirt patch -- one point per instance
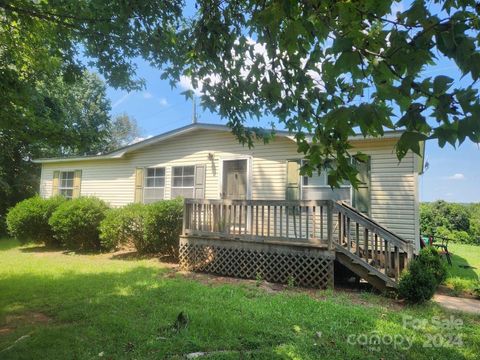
(132, 254)
(5, 330)
(29, 318)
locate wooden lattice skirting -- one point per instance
(309, 267)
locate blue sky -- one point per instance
(453, 174)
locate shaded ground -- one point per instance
(63, 305)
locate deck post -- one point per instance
(330, 225)
(185, 214)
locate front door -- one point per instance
(235, 179)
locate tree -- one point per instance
(123, 131)
(80, 113)
(323, 68)
(449, 220)
(70, 119)
(475, 221)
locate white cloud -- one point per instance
(121, 100)
(163, 102)
(186, 84)
(458, 176)
(258, 50)
(147, 95)
(138, 139)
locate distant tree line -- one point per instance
(457, 222)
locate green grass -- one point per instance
(459, 278)
(124, 309)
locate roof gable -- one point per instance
(119, 153)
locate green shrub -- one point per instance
(432, 261)
(150, 228)
(75, 223)
(28, 220)
(121, 226)
(162, 227)
(420, 281)
(416, 284)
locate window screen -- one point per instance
(65, 187)
(154, 189)
(183, 179)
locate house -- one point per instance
(204, 161)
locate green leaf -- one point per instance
(409, 140)
(441, 84)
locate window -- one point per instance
(65, 187)
(154, 188)
(316, 188)
(183, 178)
(316, 179)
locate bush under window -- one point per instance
(122, 226)
(151, 228)
(162, 227)
(76, 223)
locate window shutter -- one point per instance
(293, 180)
(361, 196)
(55, 182)
(200, 175)
(138, 198)
(77, 180)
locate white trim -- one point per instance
(249, 172)
(416, 203)
(60, 187)
(145, 169)
(182, 187)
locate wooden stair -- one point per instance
(372, 275)
(368, 249)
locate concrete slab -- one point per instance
(471, 306)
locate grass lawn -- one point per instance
(61, 306)
(462, 278)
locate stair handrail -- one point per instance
(373, 225)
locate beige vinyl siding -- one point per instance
(112, 180)
(268, 162)
(394, 202)
(393, 188)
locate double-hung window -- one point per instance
(316, 188)
(183, 179)
(65, 186)
(154, 189)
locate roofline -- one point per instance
(119, 153)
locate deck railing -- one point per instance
(318, 223)
(299, 222)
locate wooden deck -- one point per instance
(312, 232)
